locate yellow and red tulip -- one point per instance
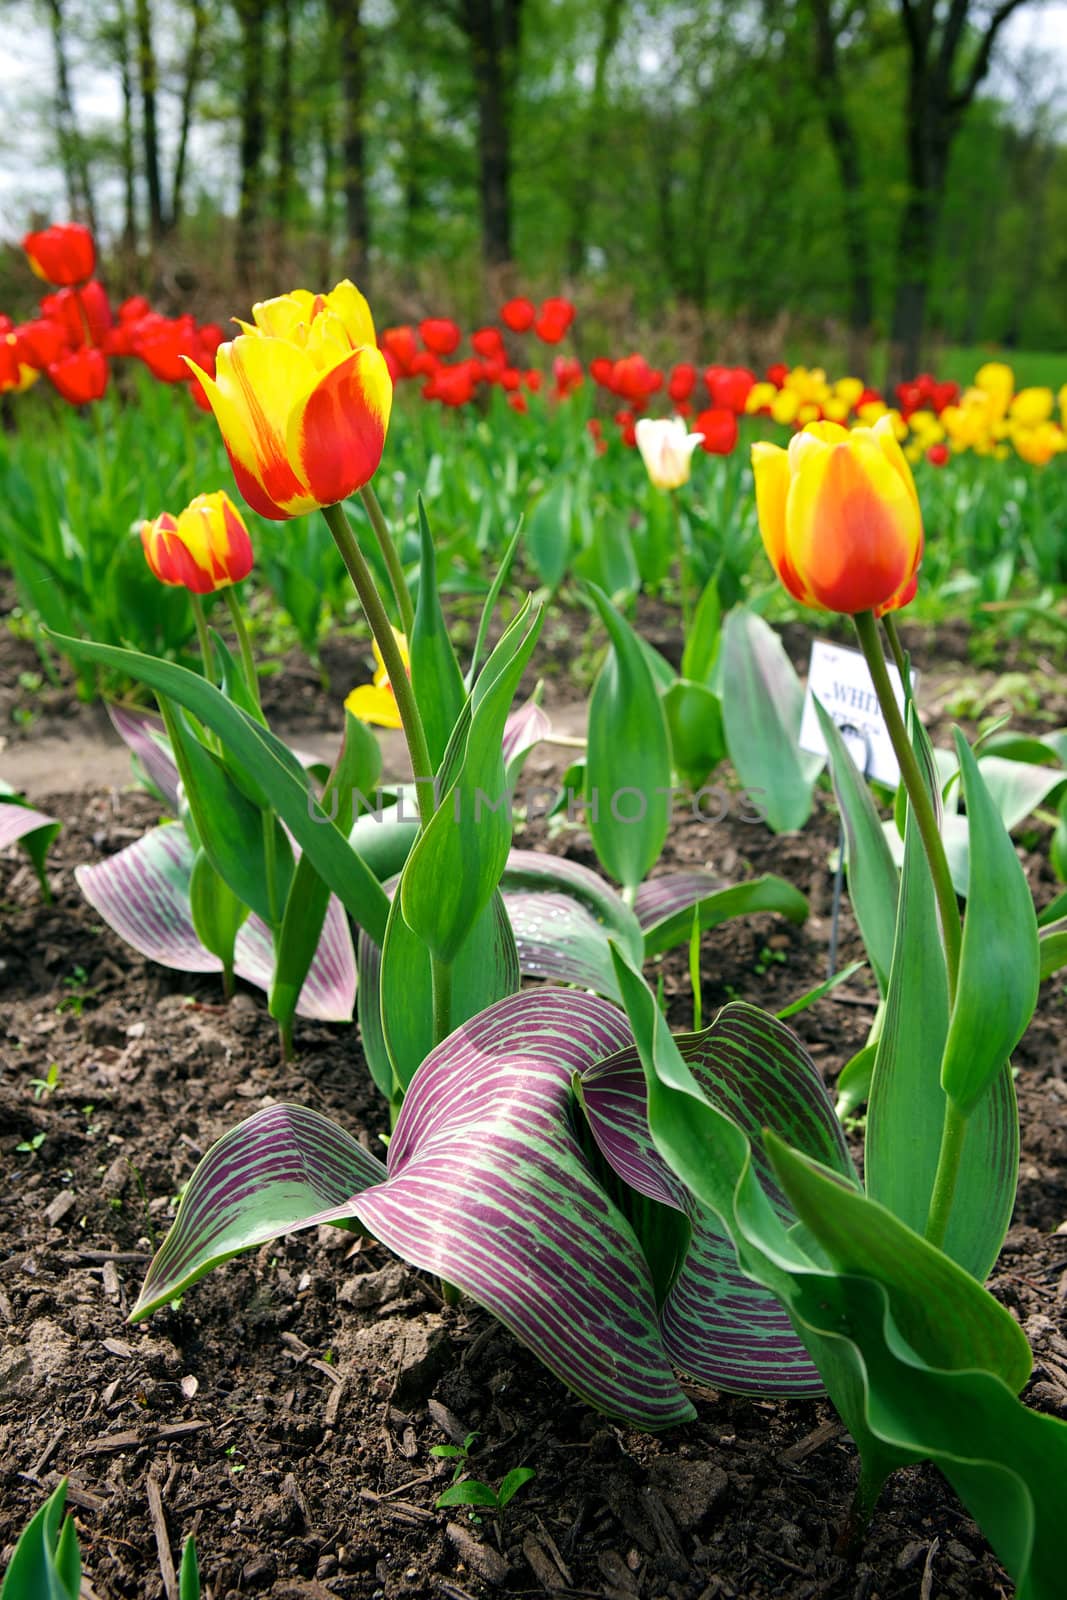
(840, 517)
(205, 548)
(302, 398)
(375, 702)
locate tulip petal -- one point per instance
(885, 437)
(337, 431)
(347, 303)
(258, 382)
(852, 526)
(374, 704)
(771, 470)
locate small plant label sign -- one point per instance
(840, 680)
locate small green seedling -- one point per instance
(31, 1146)
(79, 992)
(48, 1085)
(455, 1452)
(473, 1492)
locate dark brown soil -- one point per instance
(285, 1412)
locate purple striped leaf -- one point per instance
(487, 1186)
(664, 905)
(143, 735)
(34, 830)
(563, 915)
(142, 893)
(718, 1324)
(524, 729)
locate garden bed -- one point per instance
(285, 1411)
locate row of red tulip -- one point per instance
(77, 333)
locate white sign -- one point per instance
(841, 682)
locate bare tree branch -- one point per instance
(980, 66)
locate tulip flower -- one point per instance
(80, 376)
(718, 428)
(205, 548)
(63, 254)
(302, 400)
(682, 382)
(553, 320)
(666, 449)
(519, 315)
(440, 335)
(16, 374)
(839, 516)
(489, 342)
(376, 702)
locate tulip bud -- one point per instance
(63, 254)
(666, 449)
(205, 548)
(840, 517)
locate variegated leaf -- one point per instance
(718, 1324)
(664, 905)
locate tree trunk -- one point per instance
(251, 16)
(585, 171)
(71, 150)
(352, 46)
(283, 112)
(190, 80)
(929, 136)
(146, 71)
(492, 28)
(121, 38)
(843, 142)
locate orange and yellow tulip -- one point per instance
(205, 548)
(302, 397)
(375, 702)
(840, 517)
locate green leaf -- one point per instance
(189, 1575)
(1052, 944)
(873, 881)
(33, 1572)
(229, 827)
(503, 569)
(1000, 965)
(666, 911)
(513, 1482)
(274, 766)
(485, 969)
(216, 911)
(819, 991)
(548, 531)
(435, 675)
(854, 1080)
(628, 760)
(907, 1102)
(456, 863)
(762, 706)
(694, 720)
(468, 1493)
(703, 639)
(356, 772)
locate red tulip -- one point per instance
(43, 340)
(777, 374)
(440, 335)
(493, 370)
(910, 397)
(553, 320)
(869, 397)
(634, 380)
(729, 387)
(63, 254)
(944, 394)
(601, 370)
(400, 348)
(84, 314)
(937, 455)
(533, 380)
(162, 342)
(518, 402)
(682, 382)
(568, 374)
(80, 376)
(489, 342)
(719, 427)
(453, 386)
(518, 315)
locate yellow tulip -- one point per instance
(1032, 406)
(998, 382)
(840, 517)
(302, 398)
(375, 702)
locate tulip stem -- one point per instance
(374, 610)
(921, 804)
(248, 660)
(441, 974)
(203, 637)
(391, 556)
(683, 568)
(948, 1171)
(892, 633)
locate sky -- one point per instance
(28, 182)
